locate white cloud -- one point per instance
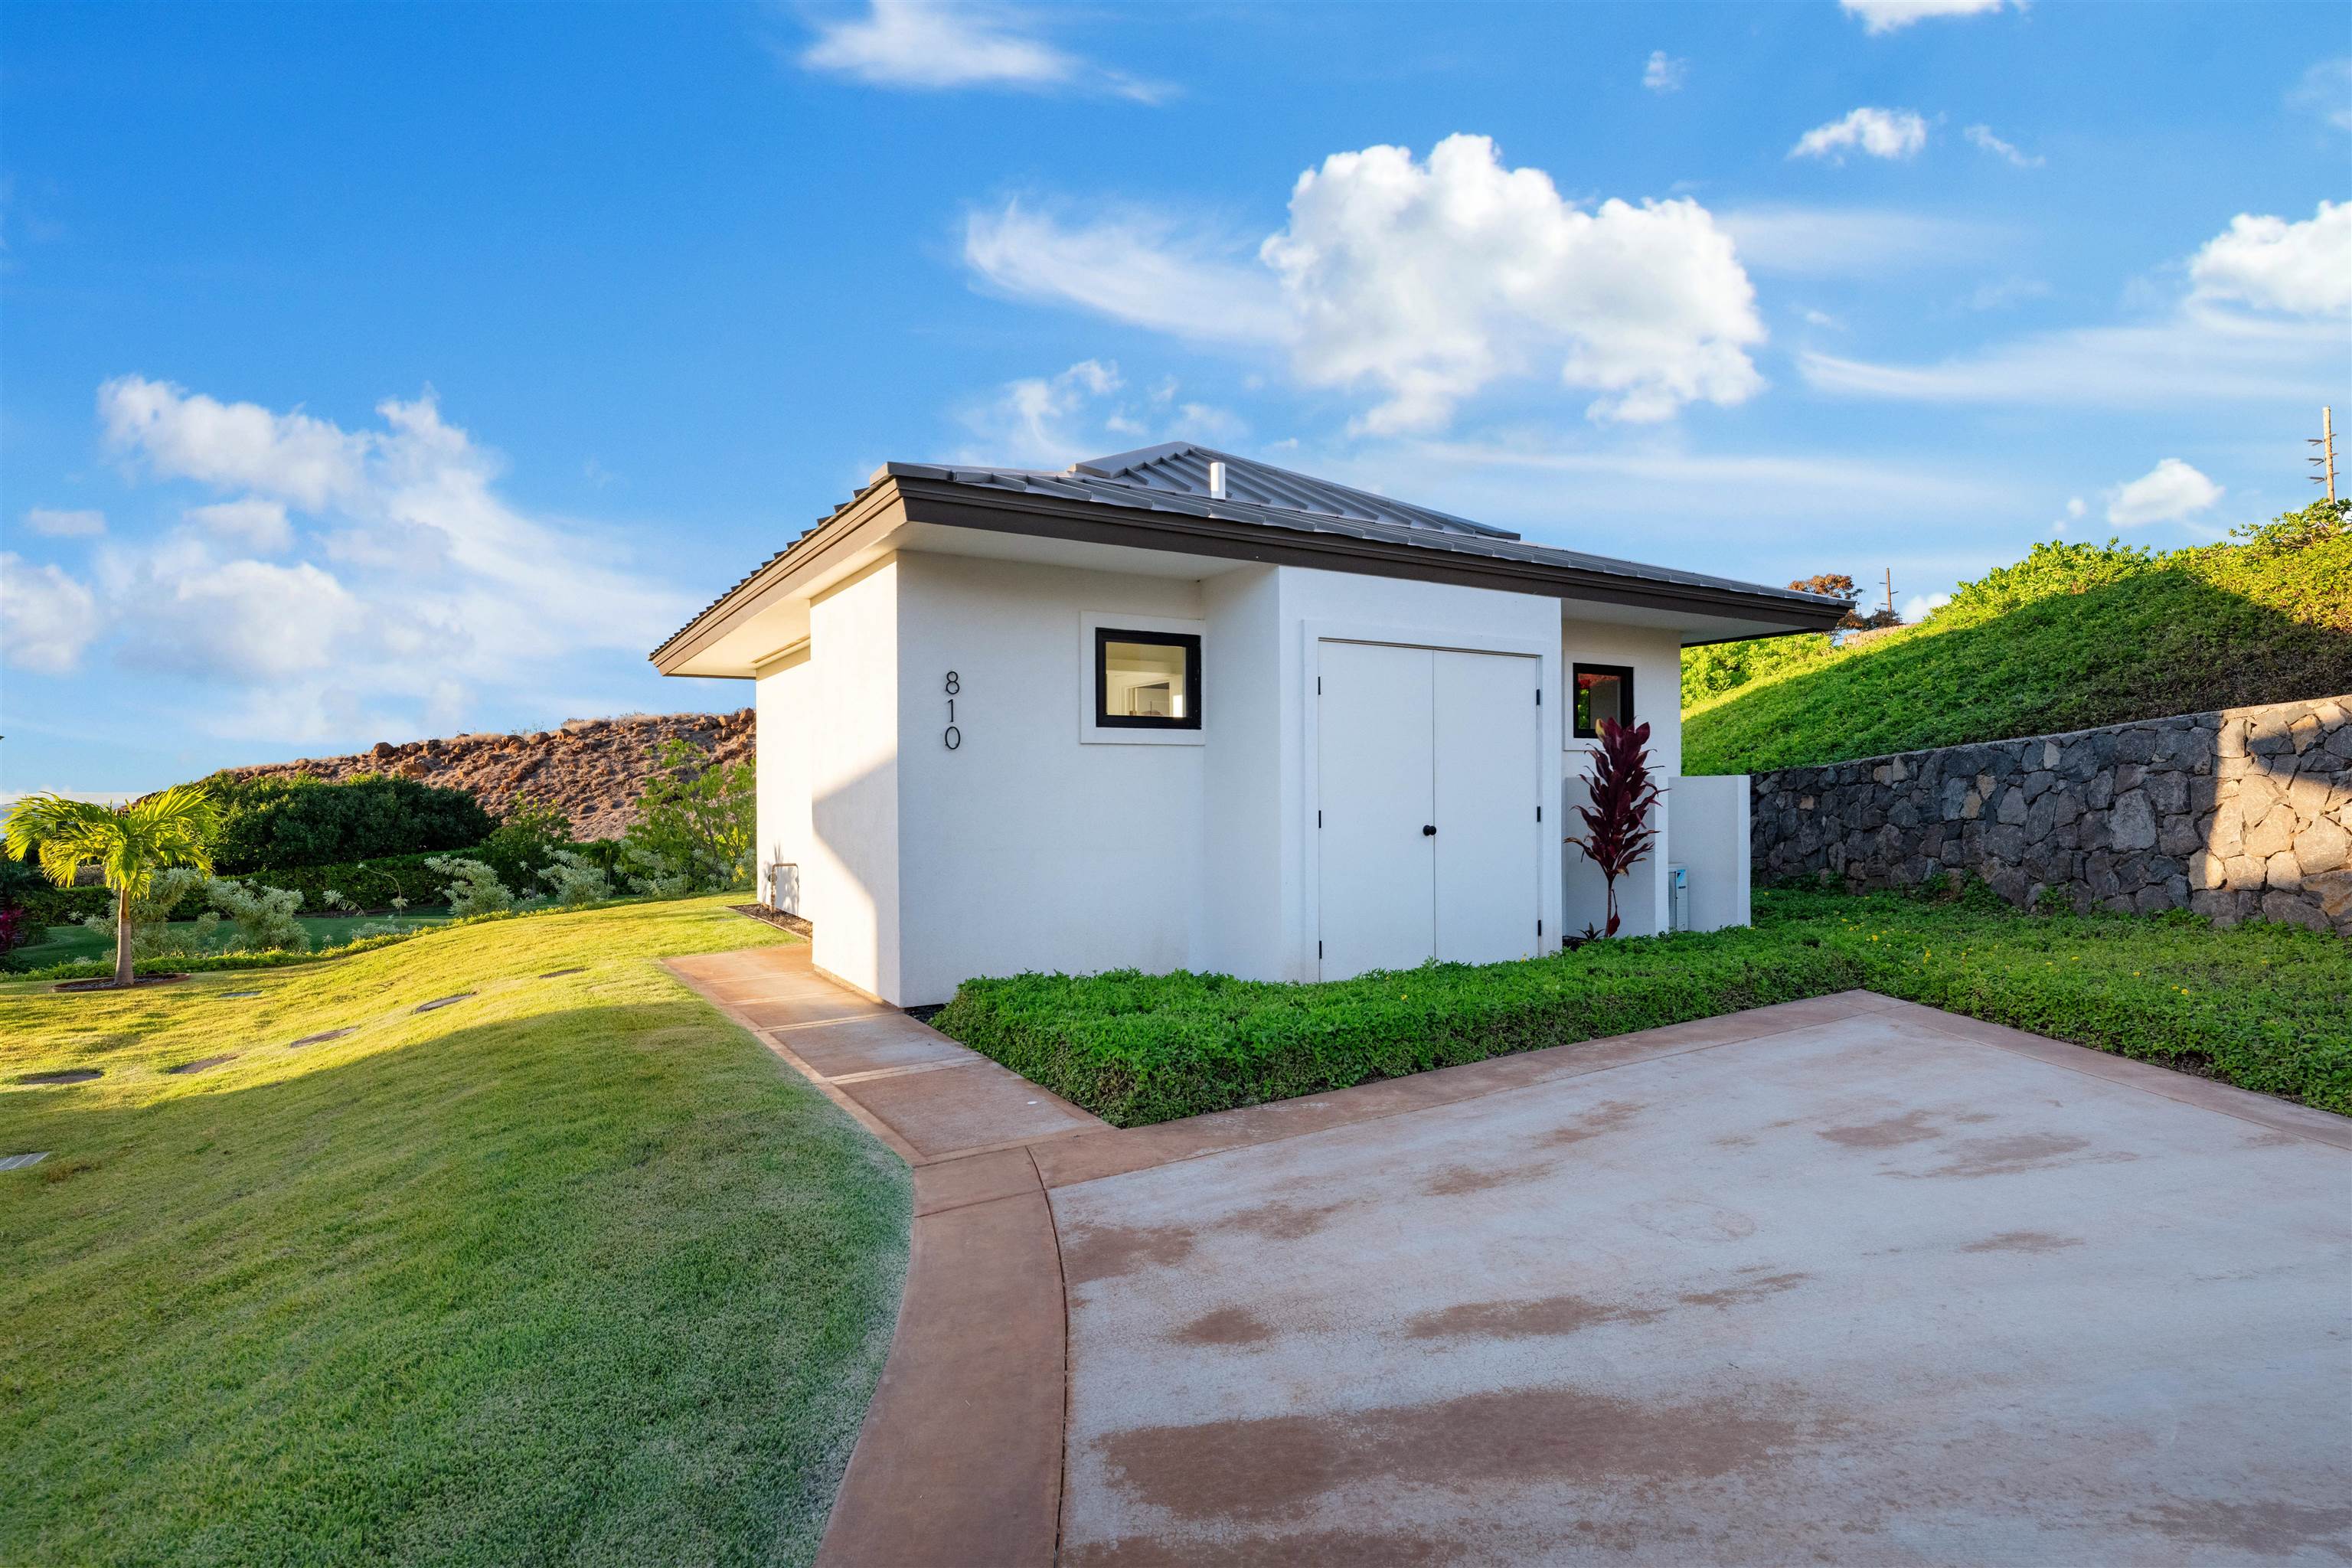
(1429, 280)
(304, 460)
(1880, 132)
(2075, 510)
(1982, 136)
(46, 618)
(2271, 264)
(1919, 607)
(1665, 73)
(1132, 267)
(1422, 283)
(2327, 90)
(1886, 15)
(2008, 291)
(2166, 493)
(431, 587)
(1851, 242)
(2192, 356)
(65, 524)
(931, 45)
(254, 523)
(1086, 411)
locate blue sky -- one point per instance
(388, 370)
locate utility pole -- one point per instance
(2326, 461)
(1890, 593)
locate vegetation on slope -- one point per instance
(2074, 635)
(567, 1272)
(2263, 1005)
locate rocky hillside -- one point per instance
(593, 768)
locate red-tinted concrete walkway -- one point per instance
(1843, 1279)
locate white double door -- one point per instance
(1431, 842)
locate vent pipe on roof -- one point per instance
(1217, 481)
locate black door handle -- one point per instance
(1429, 830)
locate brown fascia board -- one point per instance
(957, 506)
(874, 511)
(895, 499)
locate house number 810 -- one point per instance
(954, 737)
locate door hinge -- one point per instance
(1318, 686)
(1539, 930)
(1318, 952)
(1318, 819)
(1538, 695)
(1539, 814)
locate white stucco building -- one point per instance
(1178, 709)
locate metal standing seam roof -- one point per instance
(1174, 478)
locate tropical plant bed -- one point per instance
(2265, 1007)
(574, 1273)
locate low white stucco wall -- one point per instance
(1710, 833)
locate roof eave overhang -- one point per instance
(896, 500)
(953, 505)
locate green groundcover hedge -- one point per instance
(1136, 1048)
(2265, 1007)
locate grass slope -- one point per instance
(2071, 638)
(568, 1271)
(2266, 1006)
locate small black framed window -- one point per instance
(1147, 680)
(1602, 692)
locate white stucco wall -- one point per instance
(1711, 820)
(1026, 848)
(1030, 846)
(851, 875)
(1387, 609)
(1657, 660)
(782, 698)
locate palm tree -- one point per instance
(130, 843)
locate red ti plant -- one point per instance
(1617, 831)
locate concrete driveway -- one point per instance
(1860, 1291)
(1840, 1281)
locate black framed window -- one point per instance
(1147, 680)
(1602, 692)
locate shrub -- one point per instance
(697, 820)
(151, 936)
(363, 884)
(526, 842)
(574, 882)
(277, 823)
(654, 876)
(264, 916)
(474, 888)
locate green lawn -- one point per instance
(68, 944)
(2266, 1006)
(569, 1271)
(2073, 637)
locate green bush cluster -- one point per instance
(2262, 1005)
(279, 824)
(2073, 636)
(1136, 1048)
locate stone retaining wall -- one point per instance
(2241, 812)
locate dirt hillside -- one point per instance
(593, 768)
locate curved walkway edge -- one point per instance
(962, 1456)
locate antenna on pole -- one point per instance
(2326, 461)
